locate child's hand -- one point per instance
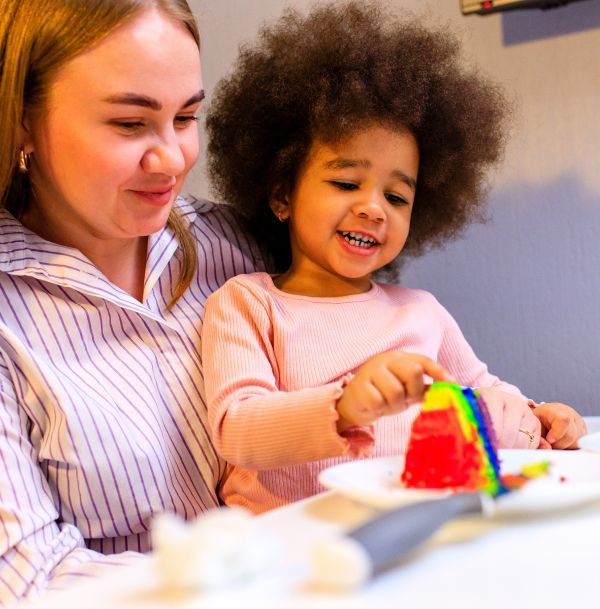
(386, 384)
(562, 425)
(514, 423)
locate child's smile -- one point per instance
(359, 240)
(349, 213)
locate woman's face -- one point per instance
(118, 135)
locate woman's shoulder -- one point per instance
(216, 224)
(202, 212)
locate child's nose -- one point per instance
(370, 210)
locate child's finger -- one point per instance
(544, 444)
(391, 389)
(558, 429)
(433, 369)
(569, 438)
(410, 369)
(410, 372)
(361, 402)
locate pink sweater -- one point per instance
(276, 363)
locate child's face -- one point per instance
(350, 212)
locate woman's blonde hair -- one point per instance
(37, 37)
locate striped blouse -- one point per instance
(102, 412)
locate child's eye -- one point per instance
(184, 120)
(395, 199)
(344, 185)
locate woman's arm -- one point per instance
(37, 551)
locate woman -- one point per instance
(102, 417)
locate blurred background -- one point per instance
(524, 286)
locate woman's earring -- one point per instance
(24, 161)
(280, 216)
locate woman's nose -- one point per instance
(165, 156)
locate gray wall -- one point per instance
(523, 286)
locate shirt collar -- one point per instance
(24, 253)
(163, 244)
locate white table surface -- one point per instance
(548, 561)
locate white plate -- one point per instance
(574, 478)
(591, 442)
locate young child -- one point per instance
(336, 134)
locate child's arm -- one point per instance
(562, 426)
(386, 384)
(253, 423)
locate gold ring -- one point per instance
(527, 433)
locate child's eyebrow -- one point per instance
(400, 175)
(346, 163)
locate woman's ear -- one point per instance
(24, 135)
(280, 207)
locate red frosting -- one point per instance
(439, 455)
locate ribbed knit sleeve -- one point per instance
(254, 424)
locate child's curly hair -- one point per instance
(327, 75)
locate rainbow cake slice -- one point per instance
(452, 443)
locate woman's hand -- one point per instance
(386, 384)
(562, 426)
(514, 422)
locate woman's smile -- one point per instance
(158, 198)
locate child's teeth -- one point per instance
(358, 240)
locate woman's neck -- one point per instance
(121, 261)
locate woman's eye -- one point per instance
(344, 185)
(181, 122)
(395, 199)
(185, 119)
(129, 125)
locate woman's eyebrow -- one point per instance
(135, 99)
(194, 99)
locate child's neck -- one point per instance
(304, 284)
